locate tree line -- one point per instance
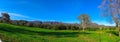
(51, 25)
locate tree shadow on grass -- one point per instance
(42, 33)
(113, 32)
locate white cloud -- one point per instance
(22, 16)
(104, 23)
(18, 15)
(15, 15)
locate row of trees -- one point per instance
(85, 23)
(48, 25)
(39, 24)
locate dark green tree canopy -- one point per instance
(5, 18)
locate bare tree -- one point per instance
(111, 8)
(84, 18)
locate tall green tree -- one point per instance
(84, 19)
(111, 8)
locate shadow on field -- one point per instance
(42, 33)
(113, 32)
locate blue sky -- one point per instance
(53, 10)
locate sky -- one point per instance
(53, 10)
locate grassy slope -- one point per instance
(11, 33)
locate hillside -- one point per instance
(12, 33)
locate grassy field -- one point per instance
(11, 33)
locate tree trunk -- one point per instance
(118, 30)
(83, 28)
(117, 26)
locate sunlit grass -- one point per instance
(11, 33)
